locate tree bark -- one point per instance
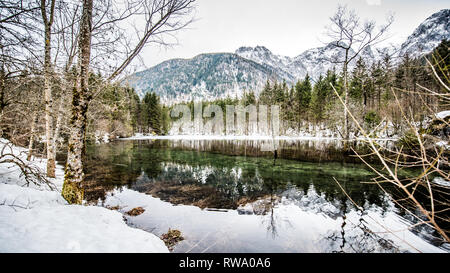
(346, 125)
(363, 88)
(74, 175)
(3, 103)
(58, 125)
(32, 136)
(2, 90)
(48, 21)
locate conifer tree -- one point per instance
(358, 82)
(318, 98)
(303, 91)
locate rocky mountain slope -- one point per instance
(218, 75)
(206, 76)
(428, 34)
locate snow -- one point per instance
(71, 229)
(444, 144)
(443, 114)
(428, 34)
(284, 65)
(37, 219)
(181, 80)
(101, 137)
(441, 181)
(29, 197)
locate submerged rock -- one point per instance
(136, 211)
(171, 238)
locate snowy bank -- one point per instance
(37, 219)
(443, 114)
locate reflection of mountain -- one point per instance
(310, 200)
(293, 221)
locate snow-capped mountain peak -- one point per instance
(210, 76)
(428, 34)
(264, 56)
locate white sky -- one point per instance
(286, 27)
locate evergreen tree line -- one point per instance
(145, 116)
(150, 116)
(374, 93)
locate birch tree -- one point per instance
(162, 18)
(48, 19)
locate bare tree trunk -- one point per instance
(74, 174)
(363, 88)
(3, 102)
(58, 125)
(33, 133)
(51, 159)
(346, 125)
(49, 126)
(167, 13)
(2, 90)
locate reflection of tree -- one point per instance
(272, 219)
(274, 187)
(356, 237)
(108, 166)
(238, 179)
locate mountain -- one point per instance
(262, 55)
(206, 76)
(217, 75)
(314, 61)
(320, 59)
(428, 34)
(283, 64)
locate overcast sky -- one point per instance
(286, 27)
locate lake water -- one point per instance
(229, 196)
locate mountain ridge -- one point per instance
(210, 76)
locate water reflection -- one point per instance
(326, 150)
(225, 202)
(212, 180)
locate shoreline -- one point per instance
(245, 137)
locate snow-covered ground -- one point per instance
(441, 181)
(37, 219)
(443, 114)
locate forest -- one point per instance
(63, 66)
(375, 91)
